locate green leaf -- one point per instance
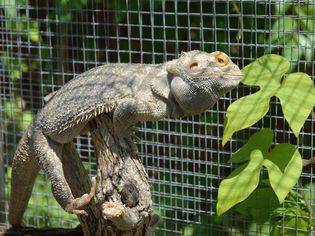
(245, 112)
(296, 94)
(309, 191)
(27, 117)
(259, 205)
(283, 28)
(240, 183)
(297, 98)
(9, 7)
(10, 109)
(34, 35)
(305, 43)
(265, 72)
(189, 231)
(260, 140)
(289, 224)
(307, 21)
(291, 49)
(282, 7)
(284, 164)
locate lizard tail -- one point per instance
(24, 171)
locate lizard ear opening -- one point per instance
(193, 65)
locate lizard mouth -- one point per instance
(234, 76)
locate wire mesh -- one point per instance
(44, 44)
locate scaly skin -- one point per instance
(131, 92)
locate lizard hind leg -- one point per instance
(49, 155)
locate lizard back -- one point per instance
(91, 93)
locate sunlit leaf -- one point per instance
(260, 140)
(245, 112)
(265, 72)
(297, 98)
(9, 8)
(27, 117)
(305, 43)
(34, 36)
(296, 94)
(307, 17)
(309, 191)
(283, 28)
(284, 164)
(291, 49)
(240, 183)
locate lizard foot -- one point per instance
(74, 207)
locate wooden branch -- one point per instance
(310, 161)
(123, 203)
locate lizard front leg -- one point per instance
(48, 153)
(132, 110)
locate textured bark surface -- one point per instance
(122, 203)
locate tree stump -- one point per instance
(122, 204)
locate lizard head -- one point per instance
(197, 66)
(200, 78)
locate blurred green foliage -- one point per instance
(293, 32)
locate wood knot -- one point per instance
(129, 195)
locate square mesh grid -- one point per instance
(44, 44)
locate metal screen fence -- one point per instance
(44, 44)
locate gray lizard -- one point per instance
(130, 92)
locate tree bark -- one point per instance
(122, 204)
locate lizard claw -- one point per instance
(76, 204)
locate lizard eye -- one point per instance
(193, 66)
(221, 59)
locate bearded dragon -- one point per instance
(131, 93)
